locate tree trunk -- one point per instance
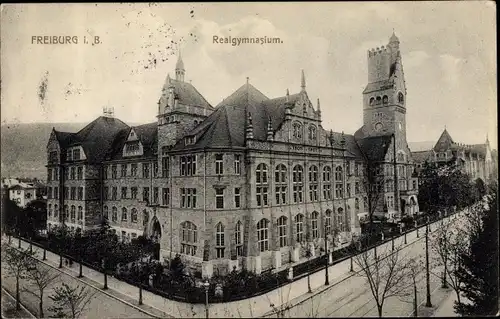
(415, 304)
(41, 308)
(18, 302)
(379, 308)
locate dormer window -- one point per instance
(189, 140)
(76, 154)
(69, 155)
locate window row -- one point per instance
(73, 212)
(297, 131)
(124, 217)
(70, 193)
(111, 171)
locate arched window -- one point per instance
(328, 221)
(238, 238)
(189, 238)
(338, 173)
(372, 100)
(114, 214)
(80, 212)
(281, 184)
(297, 184)
(356, 204)
(401, 98)
(133, 215)
(314, 225)
(145, 217)
(124, 214)
(340, 218)
(49, 210)
(73, 212)
(105, 212)
(195, 122)
(299, 228)
(297, 130)
(263, 234)
(282, 231)
(401, 157)
(379, 100)
(219, 241)
(56, 210)
(385, 99)
(262, 186)
(312, 133)
(313, 183)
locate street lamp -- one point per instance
(206, 284)
(427, 279)
(327, 281)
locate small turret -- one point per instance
(270, 130)
(303, 82)
(179, 69)
(287, 96)
(249, 131)
(318, 108)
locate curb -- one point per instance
(5, 291)
(103, 291)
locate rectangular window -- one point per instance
(124, 192)
(155, 169)
(66, 173)
(80, 193)
(76, 154)
(133, 169)
(280, 195)
(348, 190)
(49, 192)
(114, 193)
(73, 193)
(66, 192)
(188, 165)
(69, 155)
(414, 184)
(155, 195)
(145, 194)
(105, 172)
(73, 173)
(237, 197)
(188, 197)
(105, 192)
(165, 166)
(262, 193)
(313, 192)
(56, 192)
(56, 174)
(49, 174)
(113, 171)
(327, 191)
(145, 170)
(219, 167)
(339, 190)
(124, 170)
(356, 188)
(79, 172)
(133, 192)
(165, 198)
(237, 164)
(297, 194)
(219, 198)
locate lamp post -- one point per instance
(206, 284)
(352, 245)
(427, 279)
(327, 281)
(103, 264)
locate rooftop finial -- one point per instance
(248, 79)
(269, 129)
(319, 107)
(179, 68)
(303, 81)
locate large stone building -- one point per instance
(252, 182)
(477, 160)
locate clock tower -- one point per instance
(384, 98)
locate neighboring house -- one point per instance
(244, 183)
(477, 160)
(23, 193)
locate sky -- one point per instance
(448, 51)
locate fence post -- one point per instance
(44, 257)
(140, 293)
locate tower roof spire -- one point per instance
(303, 81)
(393, 37)
(180, 63)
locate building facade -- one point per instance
(476, 160)
(253, 182)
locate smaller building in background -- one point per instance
(23, 192)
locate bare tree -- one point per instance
(414, 267)
(448, 242)
(70, 301)
(280, 310)
(18, 261)
(385, 274)
(373, 184)
(42, 277)
(306, 248)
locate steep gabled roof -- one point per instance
(187, 94)
(375, 147)
(377, 86)
(276, 107)
(444, 142)
(96, 138)
(147, 134)
(421, 156)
